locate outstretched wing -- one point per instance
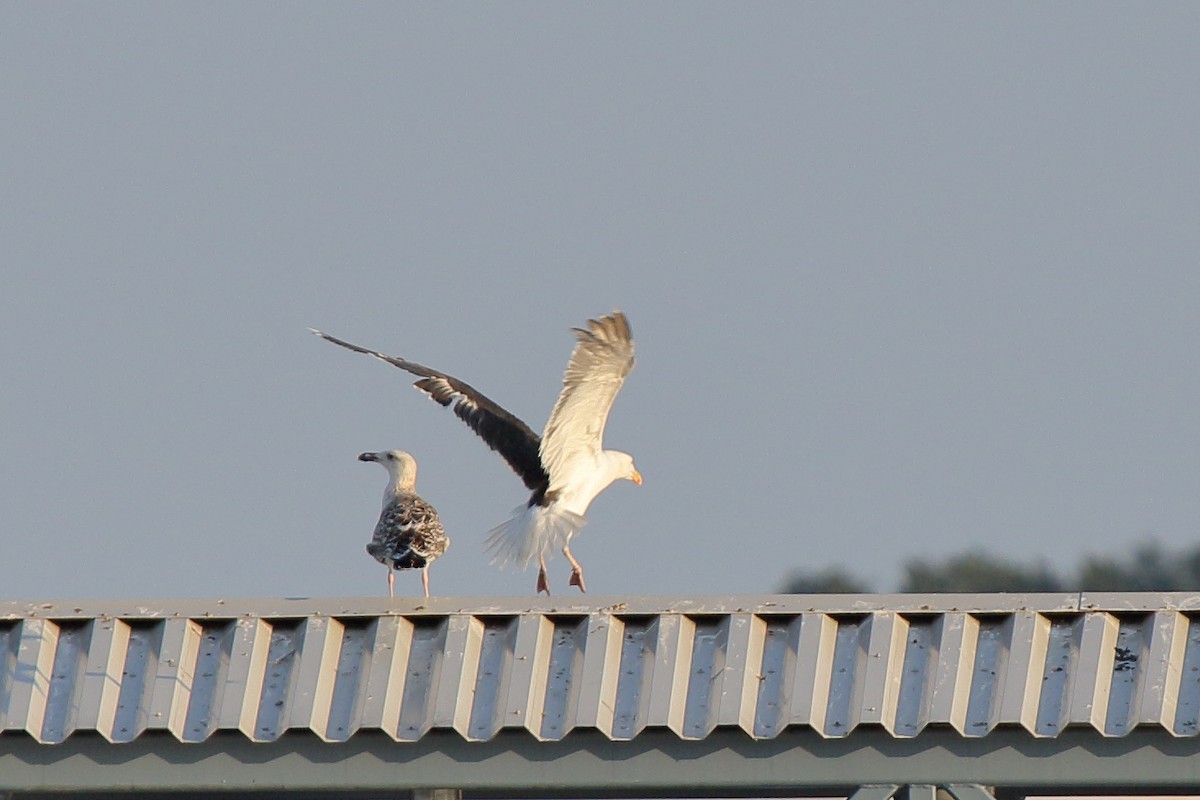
(603, 356)
(500, 430)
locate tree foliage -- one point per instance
(1146, 567)
(1150, 569)
(834, 580)
(978, 572)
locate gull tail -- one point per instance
(533, 532)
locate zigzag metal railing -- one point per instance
(980, 685)
(762, 670)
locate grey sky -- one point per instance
(904, 279)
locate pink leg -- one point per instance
(576, 570)
(543, 582)
(391, 583)
(425, 579)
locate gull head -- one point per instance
(622, 466)
(401, 466)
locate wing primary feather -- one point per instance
(602, 358)
(503, 432)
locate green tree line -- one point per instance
(1148, 566)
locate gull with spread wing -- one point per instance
(566, 467)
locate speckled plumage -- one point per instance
(567, 466)
(409, 534)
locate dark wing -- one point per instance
(500, 430)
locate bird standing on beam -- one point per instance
(409, 534)
(566, 467)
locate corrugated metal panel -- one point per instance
(1045, 663)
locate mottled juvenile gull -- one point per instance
(409, 534)
(567, 466)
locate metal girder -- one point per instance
(657, 763)
(874, 697)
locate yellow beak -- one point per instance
(636, 477)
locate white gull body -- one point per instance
(566, 467)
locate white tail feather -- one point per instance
(532, 533)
